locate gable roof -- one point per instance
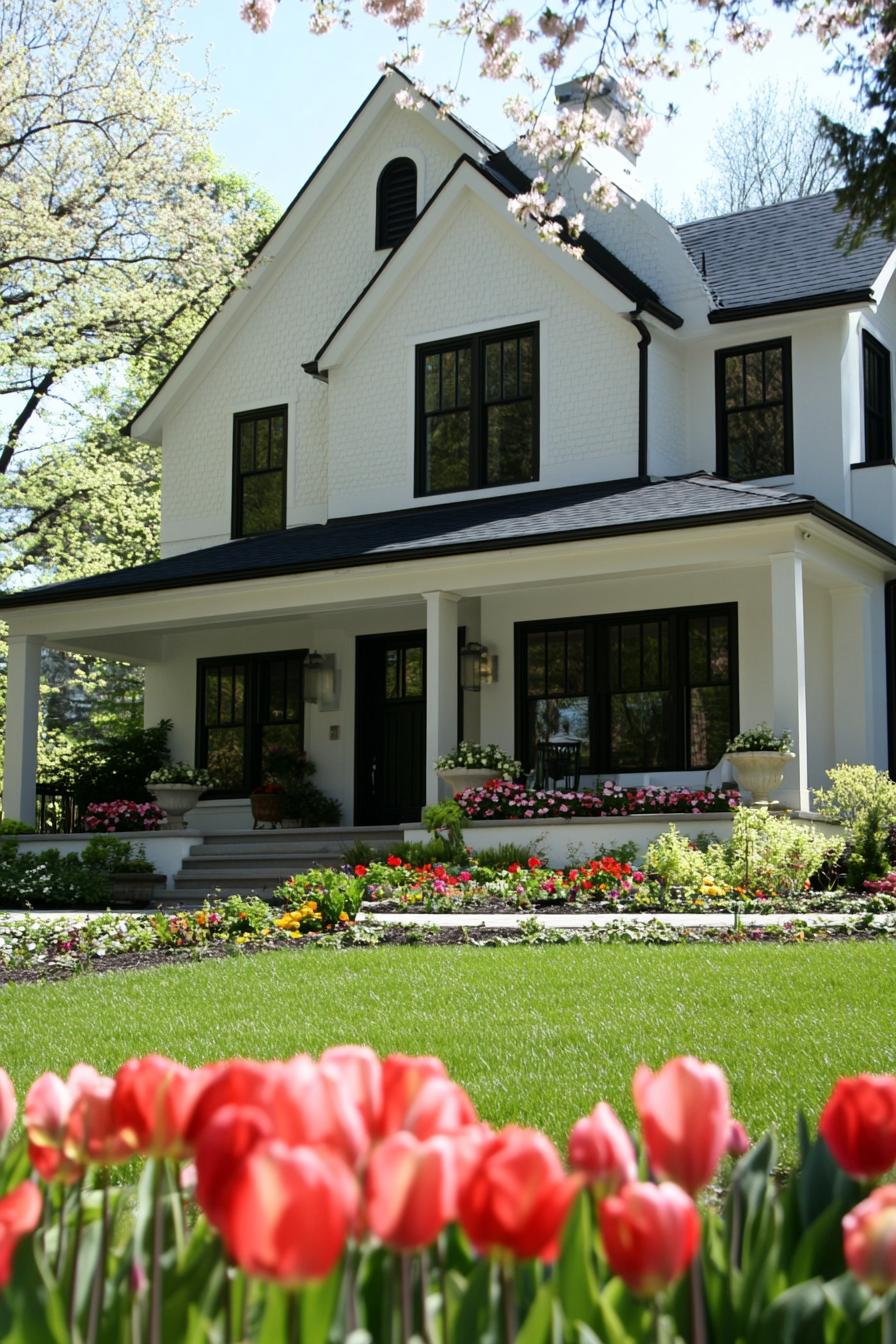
(780, 258)
(530, 518)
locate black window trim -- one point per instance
(785, 345)
(381, 242)
(871, 343)
(236, 514)
(599, 695)
(252, 663)
(477, 341)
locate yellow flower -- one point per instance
(296, 933)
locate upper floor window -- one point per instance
(396, 202)
(259, 471)
(878, 400)
(754, 414)
(477, 411)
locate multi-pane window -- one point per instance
(878, 399)
(754, 416)
(477, 412)
(647, 691)
(259, 471)
(251, 718)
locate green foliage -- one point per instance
(114, 766)
(674, 861)
(48, 879)
(760, 738)
(500, 857)
(869, 855)
(335, 892)
(854, 790)
(105, 854)
(312, 806)
(446, 820)
(10, 827)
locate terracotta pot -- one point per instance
(268, 809)
(759, 772)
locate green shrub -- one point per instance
(48, 879)
(446, 820)
(500, 857)
(854, 790)
(869, 853)
(674, 861)
(310, 805)
(105, 854)
(360, 853)
(10, 827)
(114, 766)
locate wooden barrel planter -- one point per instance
(267, 809)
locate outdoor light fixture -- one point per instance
(476, 666)
(319, 680)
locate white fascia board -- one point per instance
(282, 243)
(392, 278)
(879, 287)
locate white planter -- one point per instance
(463, 777)
(176, 799)
(759, 772)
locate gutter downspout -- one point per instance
(643, 343)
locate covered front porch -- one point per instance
(654, 648)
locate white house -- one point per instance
(656, 485)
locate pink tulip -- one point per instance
(225, 1142)
(411, 1190)
(685, 1119)
(152, 1103)
(403, 1078)
(651, 1234)
(360, 1072)
(20, 1212)
(69, 1124)
(600, 1148)
(738, 1140)
(440, 1107)
(869, 1239)
(8, 1104)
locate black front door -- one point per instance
(390, 727)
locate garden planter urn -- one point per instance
(176, 799)
(759, 772)
(461, 777)
(135, 889)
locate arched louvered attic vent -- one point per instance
(396, 202)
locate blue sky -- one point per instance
(290, 93)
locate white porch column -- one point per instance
(22, 699)
(441, 682)
(789, 671)
(853, 662)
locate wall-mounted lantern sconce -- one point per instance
(477, 665)
(319, 680)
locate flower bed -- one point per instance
(123, 815)
(501, 801)
(357, 1197)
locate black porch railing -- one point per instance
(57, 811)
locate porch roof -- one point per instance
(528, 518)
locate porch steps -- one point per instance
(240, 862)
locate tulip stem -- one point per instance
(405, 1303)
(349, 1278)
(177, 1208)
(423, 1280)
(508, 1301)
(294, 1319)
(98, 1288)
(76, 1249)
(887, 1334)
(155, 1293)
(60, 1245)
(698, 1317)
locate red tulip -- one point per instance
(234, 1082)
(311, 1105)
(91, 1134)
(225, 1142)
(403, 1078)
(685, 1117)
(411, 1191)
(20, 1212)
(360, 1072)
(517, 1195)
(651, 1234)
(738, 1140)
(440, 1107)
(61, 1141)
(152, 1103)
(600, 1148)
(8, 1104)
(289, 1212)
(858, 1124)
(869, 1239)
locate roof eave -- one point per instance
(840, 298)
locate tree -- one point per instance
(770, 148)
(642, 41)
(117, 229)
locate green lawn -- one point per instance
(537, 1035)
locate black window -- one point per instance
(396, 202)
(477, 411)
(754, 416)
(259, 471)
(878, 400)
(646, 691)
(251, 717)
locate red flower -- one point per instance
(360, 870)
(858, 1124)
(8, 1104)
(393, 861)
(685, 1118)
(651, 1234)
(411, 1192)
(20, 1212)
(517, 1195)
(152, 1103)
(600, 1148)
(533, 862)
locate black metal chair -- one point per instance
(558, 764)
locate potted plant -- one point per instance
(132, 878)
(758, 758)
(268, 802)
(177, 788)
(473, 764)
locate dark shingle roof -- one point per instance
(781, 254)
(525, 519)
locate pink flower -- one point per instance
(685, 1119)
(869, 1239)
(8, 1104)
(600, 1148)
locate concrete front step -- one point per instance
(339, 836)
(246, 861)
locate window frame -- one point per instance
(252, 726)
(871, 345)
(785, 344)
(238, 475)
(476, 342)
(598, 692)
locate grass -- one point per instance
(537, 1035)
